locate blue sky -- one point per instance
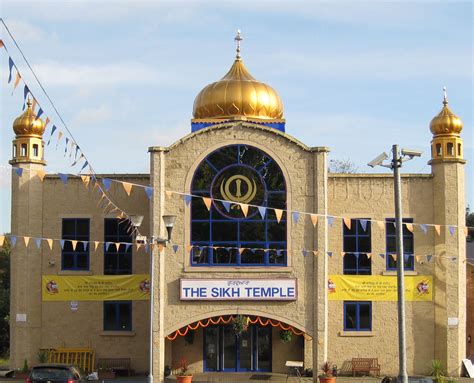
(354, 76)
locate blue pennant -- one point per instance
(330, 220)
(226, 205)
(262, 210)
(424, 228)
(10, 66)
(53, 129)
(107, 245)
(26, 90)
(187, 199)
(13, 240)
(38, 242)
(147, 248)
(40, 112)
(428, 258)
(19, 171)
(127, 246)
(363, 223)
(357, 255)
(77, 150)
(296, 217)
(83, 166)
(106, 182)
(382, 256)
(62, 244)
(63, 177)
(304, 252)
(453, 258)
(329, 252)
(175, 248)
(406, 257)
(149, 191)
(452, 229)
(65, 147)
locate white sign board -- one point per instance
(453, 321)
(21, 317)
(238, 289)
(74, 305)
(469, 367)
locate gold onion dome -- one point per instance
(446, 122)
(27, 124)
(238, 94)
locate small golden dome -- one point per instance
(446, 122)
(27, 124)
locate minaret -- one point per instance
(449, 280)
(26, 220)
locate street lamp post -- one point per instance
(169, 222)
(395, 165)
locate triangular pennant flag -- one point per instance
(296, 217)
(406, 257)
(454, 258)
(10, 68)
(314, 219)
(161, 247)
(452, 230)
(189, 248)
(168, 193)
(343, 254)
(107, 245)
(241, 250)
(262, 210)
(417, 258)
(175, 248)
(127, 246)
(380, 224)
(107, 182)
(127, 187)
(74, 244)
(226, 205)
(2, 240)
(38, 242)
(304, 252)
(369, 255)
(245, 209)
(40, 112)
(63, 177)
(394, 256)
(187, 199)
(357, 255)
(278, 213)
(329, 253)
(60, 135)
(41, 174)
(26, 90)
(19, 171)
(46, 122)
(347, 222)
(149, 191)
(85, 180)
(138, 245)
(424, 228)
(53, 129)
(17, 81)
(50, 243)
(363, 223)
(27, 240)
(83, 166)
(437, 229)
(382, 256)
(466, 231)
(409, 227)
(315, 253)
(117, 246)
(65, 146)
(207, 201)
(1, 44)
(428, 258)
(13, 240)
(330, 220)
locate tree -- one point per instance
(5, 252)
(342, 166)
(470, 224)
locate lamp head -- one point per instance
(169, 221)
(378, 160)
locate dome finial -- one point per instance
(445, 100)
(238, 38)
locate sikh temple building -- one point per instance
(272, 258)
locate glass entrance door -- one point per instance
(230, 349)
(264, 348)
(244, 349)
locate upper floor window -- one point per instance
(245, 174)
(357, 316)
(391, 244)
(117, 261)
(357, 243)
(118, 316)
(35, 150)
(78, 258)
(24, 150)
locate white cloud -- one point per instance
(93, 116)
(25, 32)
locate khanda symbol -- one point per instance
(237, 196)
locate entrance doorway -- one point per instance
(225, 351)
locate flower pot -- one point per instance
(184, 379)
(331, 379)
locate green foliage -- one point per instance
(240, 324)
(326, 370)
(286, 336)
(452, 380)
(470, 223)
(25, 367)
(437, 371)
(5, 298)
(42, 356)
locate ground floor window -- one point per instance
(118, 316)
(357, 316)
(226, 351)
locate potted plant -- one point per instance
(106, 374)
(437, 371)
(326, 376)
(240, 324)
(182, 374)
(24, 372)
(286, 336)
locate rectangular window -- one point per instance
(118, 316)
(357, 316)
(357, 244)
(78, 258)
(117, 260)
(391, 246)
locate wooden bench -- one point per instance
(296, 365)
(367, 365)
(115, 364)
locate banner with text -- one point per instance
(238, 289)
(96, 288)
(378, 288)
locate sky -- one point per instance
(355, 76)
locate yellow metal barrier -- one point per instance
(80, 357)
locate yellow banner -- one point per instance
(378, 288)
(96, 288)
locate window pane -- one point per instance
(252, 256)
(200, 231)
(82, 228)
(68, 261)
(350, 264)
(69, 227)
(252, 231)
(110, 316)
(223, 255)
(200, 255)
(198, 209)
(82, 260)
(350, 316)
(276, 231)
(391, 245)
(350, 244)
(364, 264)
(203, 177)
(125, 317)
(365, 316)
(365, 245)
(224, 231)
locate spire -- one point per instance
(238, 38)
(445, 100)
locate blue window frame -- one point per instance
(78, 258)
(231, 173)
(357, 316)
(118, 316)
(117, 261)
(391, 245)
(357, 244)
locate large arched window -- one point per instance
(222, 236)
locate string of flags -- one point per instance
(78, 245)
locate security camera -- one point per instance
(378, 160)
(411, 153)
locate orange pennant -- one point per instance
(409, 227)
(85, 180)
(117, 246)
(1, 43)
(17, 81)
(394, 256)
(189, 248)
(316, 253)
(437, 229)
(74, 244)
(33, 104)
(347, 222)
(138, 244)
(168, 193)
(245, 209)
(50, 243)
(207, 202)
(466, 231)
(46, 122)
(418, 258)
(381, 224)
(2, 240)
(314, 219)
(27, 241)
(128, 187)
(343, 254)
(41, 174)
(241, 250)
(60, 135)
(96, 245)
(278, 213)
(161, 247)
(369, 255)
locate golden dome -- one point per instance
(446, 122)
(27, 124)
